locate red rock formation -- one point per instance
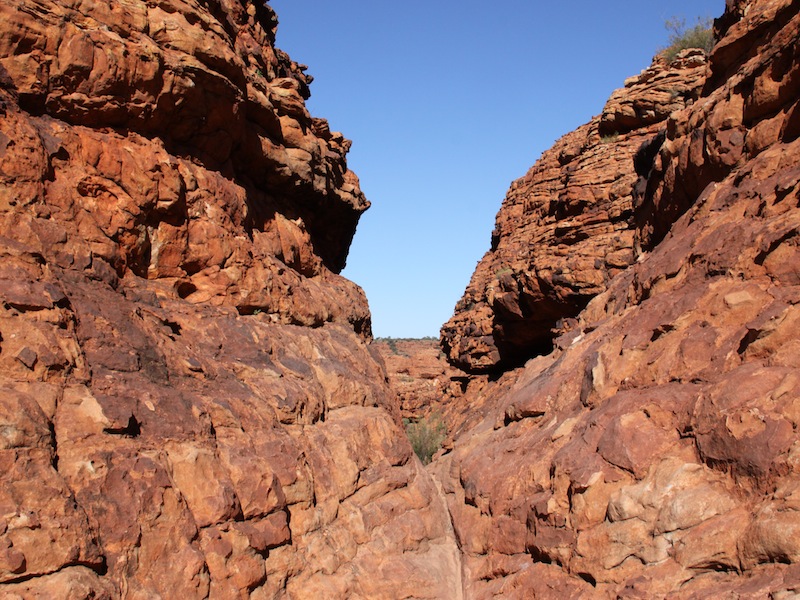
(567, 227)
(654, 452)
(188, 404)
(419, 374)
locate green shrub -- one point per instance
(426, 436)
(609, 139)
(680, 38)
(392, 343)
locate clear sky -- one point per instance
(447, 103)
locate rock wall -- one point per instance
(567, 227)
(189, 407)
(189, 403)
(654, 452)
(419, 374)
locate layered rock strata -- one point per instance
(419, 374)
(567, 227)
(654, 453)
(189, 407)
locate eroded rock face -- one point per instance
(205, 81)
(419, 374)
(189, 407)
(567, 227)
(654, 453)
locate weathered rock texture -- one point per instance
(655, 452)
(188, 404)
(419, 374)
(567, 227)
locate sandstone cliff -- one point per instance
(653, 453)
(189, 402)
(189, 407)
(568, 226)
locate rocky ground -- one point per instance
(191, 405)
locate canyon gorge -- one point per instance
(192, 404)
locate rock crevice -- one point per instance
(190, 402)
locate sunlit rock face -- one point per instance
(567, 227)
(654, 451)
(419, 374)
(189, 407)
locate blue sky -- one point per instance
(447, 103)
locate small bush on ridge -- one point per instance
(680, 38)
(426, 436)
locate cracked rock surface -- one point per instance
(653, 453)
(190, 402)
(189, 406)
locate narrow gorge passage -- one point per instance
(192, 404)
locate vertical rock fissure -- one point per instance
(458, 569)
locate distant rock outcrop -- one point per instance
(419, 374)
(654, 453)
(189, 407)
